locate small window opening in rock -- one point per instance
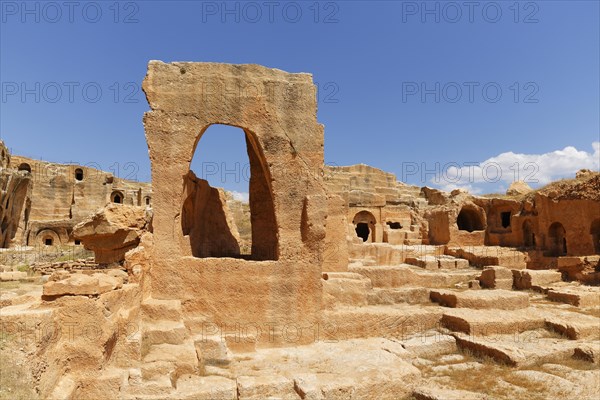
(469, 220)
(48, 242)
(77, 242)
(117, 198)
(147, 201)
(394, 225)
(79, 174)
(25, 167)
(362, 231)
(505, 217)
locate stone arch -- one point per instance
(364, 225)
(47, 238)
(557, 236)
(147, 200)
(24, 167)
(528, 234)
(201, 199)
(595, 232)
(117, 197)
(278, 111)
(470, 219)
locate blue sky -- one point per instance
(413, 88)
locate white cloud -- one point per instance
(497, 173)
(241, 196)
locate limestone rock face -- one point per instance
(207, 220)
(15, 190)
(517, 188)
(113, 231)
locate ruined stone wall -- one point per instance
(288, 205)
(542, 222)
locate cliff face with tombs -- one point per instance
(561, 219)
(15, 197)
(61, 196)
(333, 282)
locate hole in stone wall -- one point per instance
(25, 167)
(364, 224)
(595, 232)
(117, 197)
(528, 235)
(362, 231)
(236, 222)
(77, 242)
(558, 239)
(394, 225)
(469, 220)
(505, 219)
(78, 174)
(48, 241)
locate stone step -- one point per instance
(492, 322)
(395, 276)
(528, 348)
(574, 325)
(159, 332)
(272, 386)
(398, 321)
(192, 387)
(409, 295)
(491, 255)
(433, 393)
(166, 310)
(437, 262)
(579, 296)
(430, 344)
(346, 288)
(496, 277)
(481, 299)
(171, 361)
(198, 324)
(535, 279)
(212, 350)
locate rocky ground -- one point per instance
(440, 329)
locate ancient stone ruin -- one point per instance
(346, 285)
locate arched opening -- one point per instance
(469, 220)
(595, 232)
(528, 235)
(228, 208)
(558, 240)
(47, 238)
(147, 200)
(78, 174)
(364, 225)
(25, 167)
(117, 197)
